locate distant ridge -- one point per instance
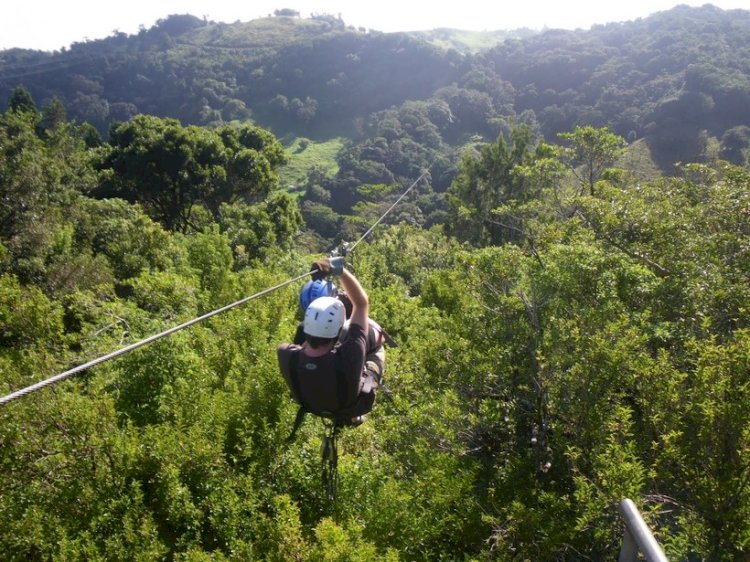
(678, 78)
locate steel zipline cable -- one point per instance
(136, 345)
(369, 230)
(127, 349)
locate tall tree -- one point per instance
(591, 151)
(172, 170)
(21, 100)
(53, 115)
(485, 180)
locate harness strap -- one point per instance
(297, 390)
(341, 392)
(294, 376)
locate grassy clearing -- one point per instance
(469, 41)
(305, 154)
(637, 159)
(262, 33)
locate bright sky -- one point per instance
(51, 24)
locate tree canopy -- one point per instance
(575, 332)
(171, 169)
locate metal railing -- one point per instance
(638, 536)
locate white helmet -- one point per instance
(324, 317)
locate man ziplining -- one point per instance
(334, 373)
(321, 270)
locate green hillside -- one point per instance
(264, 33)
(554, 229)
(678, 78)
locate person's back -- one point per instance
(324, 375)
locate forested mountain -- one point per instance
(572, 309)
(679, 78)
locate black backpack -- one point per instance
(337, 416)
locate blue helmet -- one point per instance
(314, 289)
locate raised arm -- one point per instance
(358, 296)
(354, 290)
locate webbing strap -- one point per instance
(296, 389)
(341, 390)
(299, 418)
(294, 376)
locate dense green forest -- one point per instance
(572, 334)
(361, 106)
(679, 79)
(568, 288)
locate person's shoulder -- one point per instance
(288, 348)
(356, 329)
(356, 337)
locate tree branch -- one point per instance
(660, 270)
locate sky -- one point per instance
(52, 24)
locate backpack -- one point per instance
(346, 411)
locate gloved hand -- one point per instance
(337, 265)
(320, 269)
(329, 266)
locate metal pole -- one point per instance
(638, 536)
(629, 550)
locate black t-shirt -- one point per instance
(375, 336)
(329, 383)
